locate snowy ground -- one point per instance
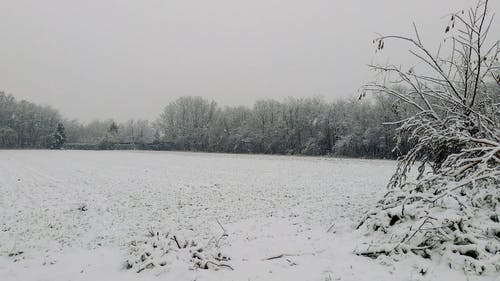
(71, 215)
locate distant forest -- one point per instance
(306, 126)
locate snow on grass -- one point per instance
(79, 215)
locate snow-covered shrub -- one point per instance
(451, 207)
(160, 250)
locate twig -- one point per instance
(176, 242)
(285, 255)
(220, 264)
(330, 228)
(223, 229)
(224, 234)
(276, 257)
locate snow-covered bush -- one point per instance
(451, 206)
(158, 250)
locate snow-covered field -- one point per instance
(73, 215)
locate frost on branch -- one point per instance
(451, 206)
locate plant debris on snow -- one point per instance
(159, 250)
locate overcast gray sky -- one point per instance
(129, 58)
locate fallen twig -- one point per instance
(220, 264)
(285, 255)
(176, 242)
(330, 228)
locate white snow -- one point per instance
(70, 215)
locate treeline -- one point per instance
(26, 125)
(308, 126)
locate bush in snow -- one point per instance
(452, 207)
(162, 250)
